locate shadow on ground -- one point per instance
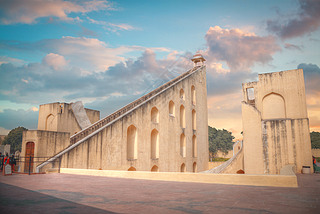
(18, 200)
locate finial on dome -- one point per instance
(198, 58)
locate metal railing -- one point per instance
(29, 164)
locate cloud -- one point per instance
(27, 12)
(10, 119)
(40, 83)
(292, 47)
(239, 49)
(112, 26)
(312, 77)
(305, 21)
(56, 61)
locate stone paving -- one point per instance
(66, 193)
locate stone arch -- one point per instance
(182, 117)
(154, 144)
(183, 145)
(194, 167)
(193, 95)
(155, 168)
(154, 115)
(182, 95)
(171, 108)
(194, 146)
(183, 168)
(132, 169)
(194, 120)
(49, 122)
(132, 144)
(273, 106)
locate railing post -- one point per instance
(29, 164)
(59, 163)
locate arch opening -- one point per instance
(49, 123)
(132, 169)
(154, 144)
(132, 144)
(182, 117)
(194, 146)
(154, 115)
(171, 109)
(183, 145)
(155, 168)
(194, 167)
(194, 120)
(182, 95)
(183, 168)
(273, 106)
(193, 95)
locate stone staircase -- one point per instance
(98, 126)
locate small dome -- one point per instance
(198, 58)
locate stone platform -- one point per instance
(67, 193)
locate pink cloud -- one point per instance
(21, 11)
(56, 61)
(239, 49)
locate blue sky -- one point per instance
(108, 53)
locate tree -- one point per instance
(219, 140)
(315, 140)
(14, 138)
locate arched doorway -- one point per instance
(28, 165)
(194, 167)
(183, 168)
(132, 169)
(155, 169)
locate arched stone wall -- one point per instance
(273, 106)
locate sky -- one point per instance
(109, 53)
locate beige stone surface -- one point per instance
(59, 117)
(235, 179)
(109, 148)
(46, 144)
(275, 123)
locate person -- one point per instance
(6, 160)
(1, 161)
(12, 162)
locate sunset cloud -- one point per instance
(27, 12)
(239, 49)
(56, 61)
(306, 20)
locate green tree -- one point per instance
(219, 140)
(14, 138)
(315, 140)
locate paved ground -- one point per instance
(65, 193)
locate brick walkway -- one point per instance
(65, 193)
